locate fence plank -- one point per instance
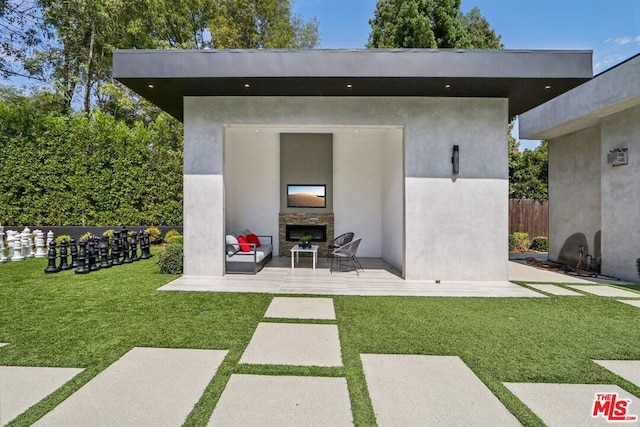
(529, 215)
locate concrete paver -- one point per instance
(555, 290)
(569, 405)
(605, 291)
(294, 344)
(252, 400)
(434, 390)
(526, 273)
(301, 308)
(22, 387)
(627, 369)
(145, 387)
(2, 344)
(633, 302)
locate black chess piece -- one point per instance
(134, 247)
(51, 256)
(83, 267)
(103, 247)
(115, 248)
(91, 254)
(64, 256)
(73, 248)
(146, 249)
(125, 247)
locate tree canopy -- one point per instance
(528, 171)
(429, 24)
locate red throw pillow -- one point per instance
(252, 238)
(245, 247)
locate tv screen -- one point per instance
(306, 196)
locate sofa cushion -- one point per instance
(243, 246)
(252, 238)
(260, 254)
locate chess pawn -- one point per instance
(17, 248)
(73, 248)
(82, 258)
(51, 256)
(11, 237)
(64, 254)
(40, 252)
(50, 237)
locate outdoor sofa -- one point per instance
(247, 258)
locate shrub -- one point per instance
(170, 259)
(540, 244)
(512, 243)
(155, 235)
(86, 236)
(60, 238)
(109, 234)
(176, 238)
(171, 233)
(522, 240)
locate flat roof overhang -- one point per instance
(527, 78)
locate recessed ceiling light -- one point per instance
(448, 86)
(150, 86)
(356, 131)
(349, 85)
(247, 85)
(257, 130)
(547, 87)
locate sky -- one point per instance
(610, 28)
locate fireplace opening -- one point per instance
(295, 232)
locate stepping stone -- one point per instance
(635, 303)
(435, 390)
(605, 291)
(145, 387)
(2, 344)
(566, 405)
(555, 290)
(627, 369)
(22, 387)
(251, 400)
(301, 308)
(294, 344)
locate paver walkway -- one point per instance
(555, 290)
(633, 302)
(145, 387)
(605, 291)
(627, 369)
(2, 344)
(22, 387)
(301, 308)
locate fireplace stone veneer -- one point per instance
(311, 219)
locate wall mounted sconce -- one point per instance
(455, 159)
(618, 157)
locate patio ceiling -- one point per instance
(526, 78)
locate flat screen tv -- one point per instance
(306, 196)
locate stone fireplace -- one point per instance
(294, 225)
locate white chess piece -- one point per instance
(40, 252)
(30, 252)
(24, 239)
(50, 238)
(11, 237)
(2, 257)
(17, 248)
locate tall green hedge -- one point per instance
(88, 170)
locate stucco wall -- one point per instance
(621, 196)
(392, 198)
(475, 201)
(574, 195)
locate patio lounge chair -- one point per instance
(347, 254)
(341, 240)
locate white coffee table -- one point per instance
(295, 253)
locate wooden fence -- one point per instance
(529, 215)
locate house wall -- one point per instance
(252, 178)
(456, 226)
(574, 195)
(357, 195)
(621, 195)
(392, 198)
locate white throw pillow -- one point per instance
(232, 245)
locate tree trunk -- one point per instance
(87, 89)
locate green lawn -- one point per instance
(89, 321)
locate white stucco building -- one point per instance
(594, 170)
(376, 127)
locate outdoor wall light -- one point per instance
(455, 159)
